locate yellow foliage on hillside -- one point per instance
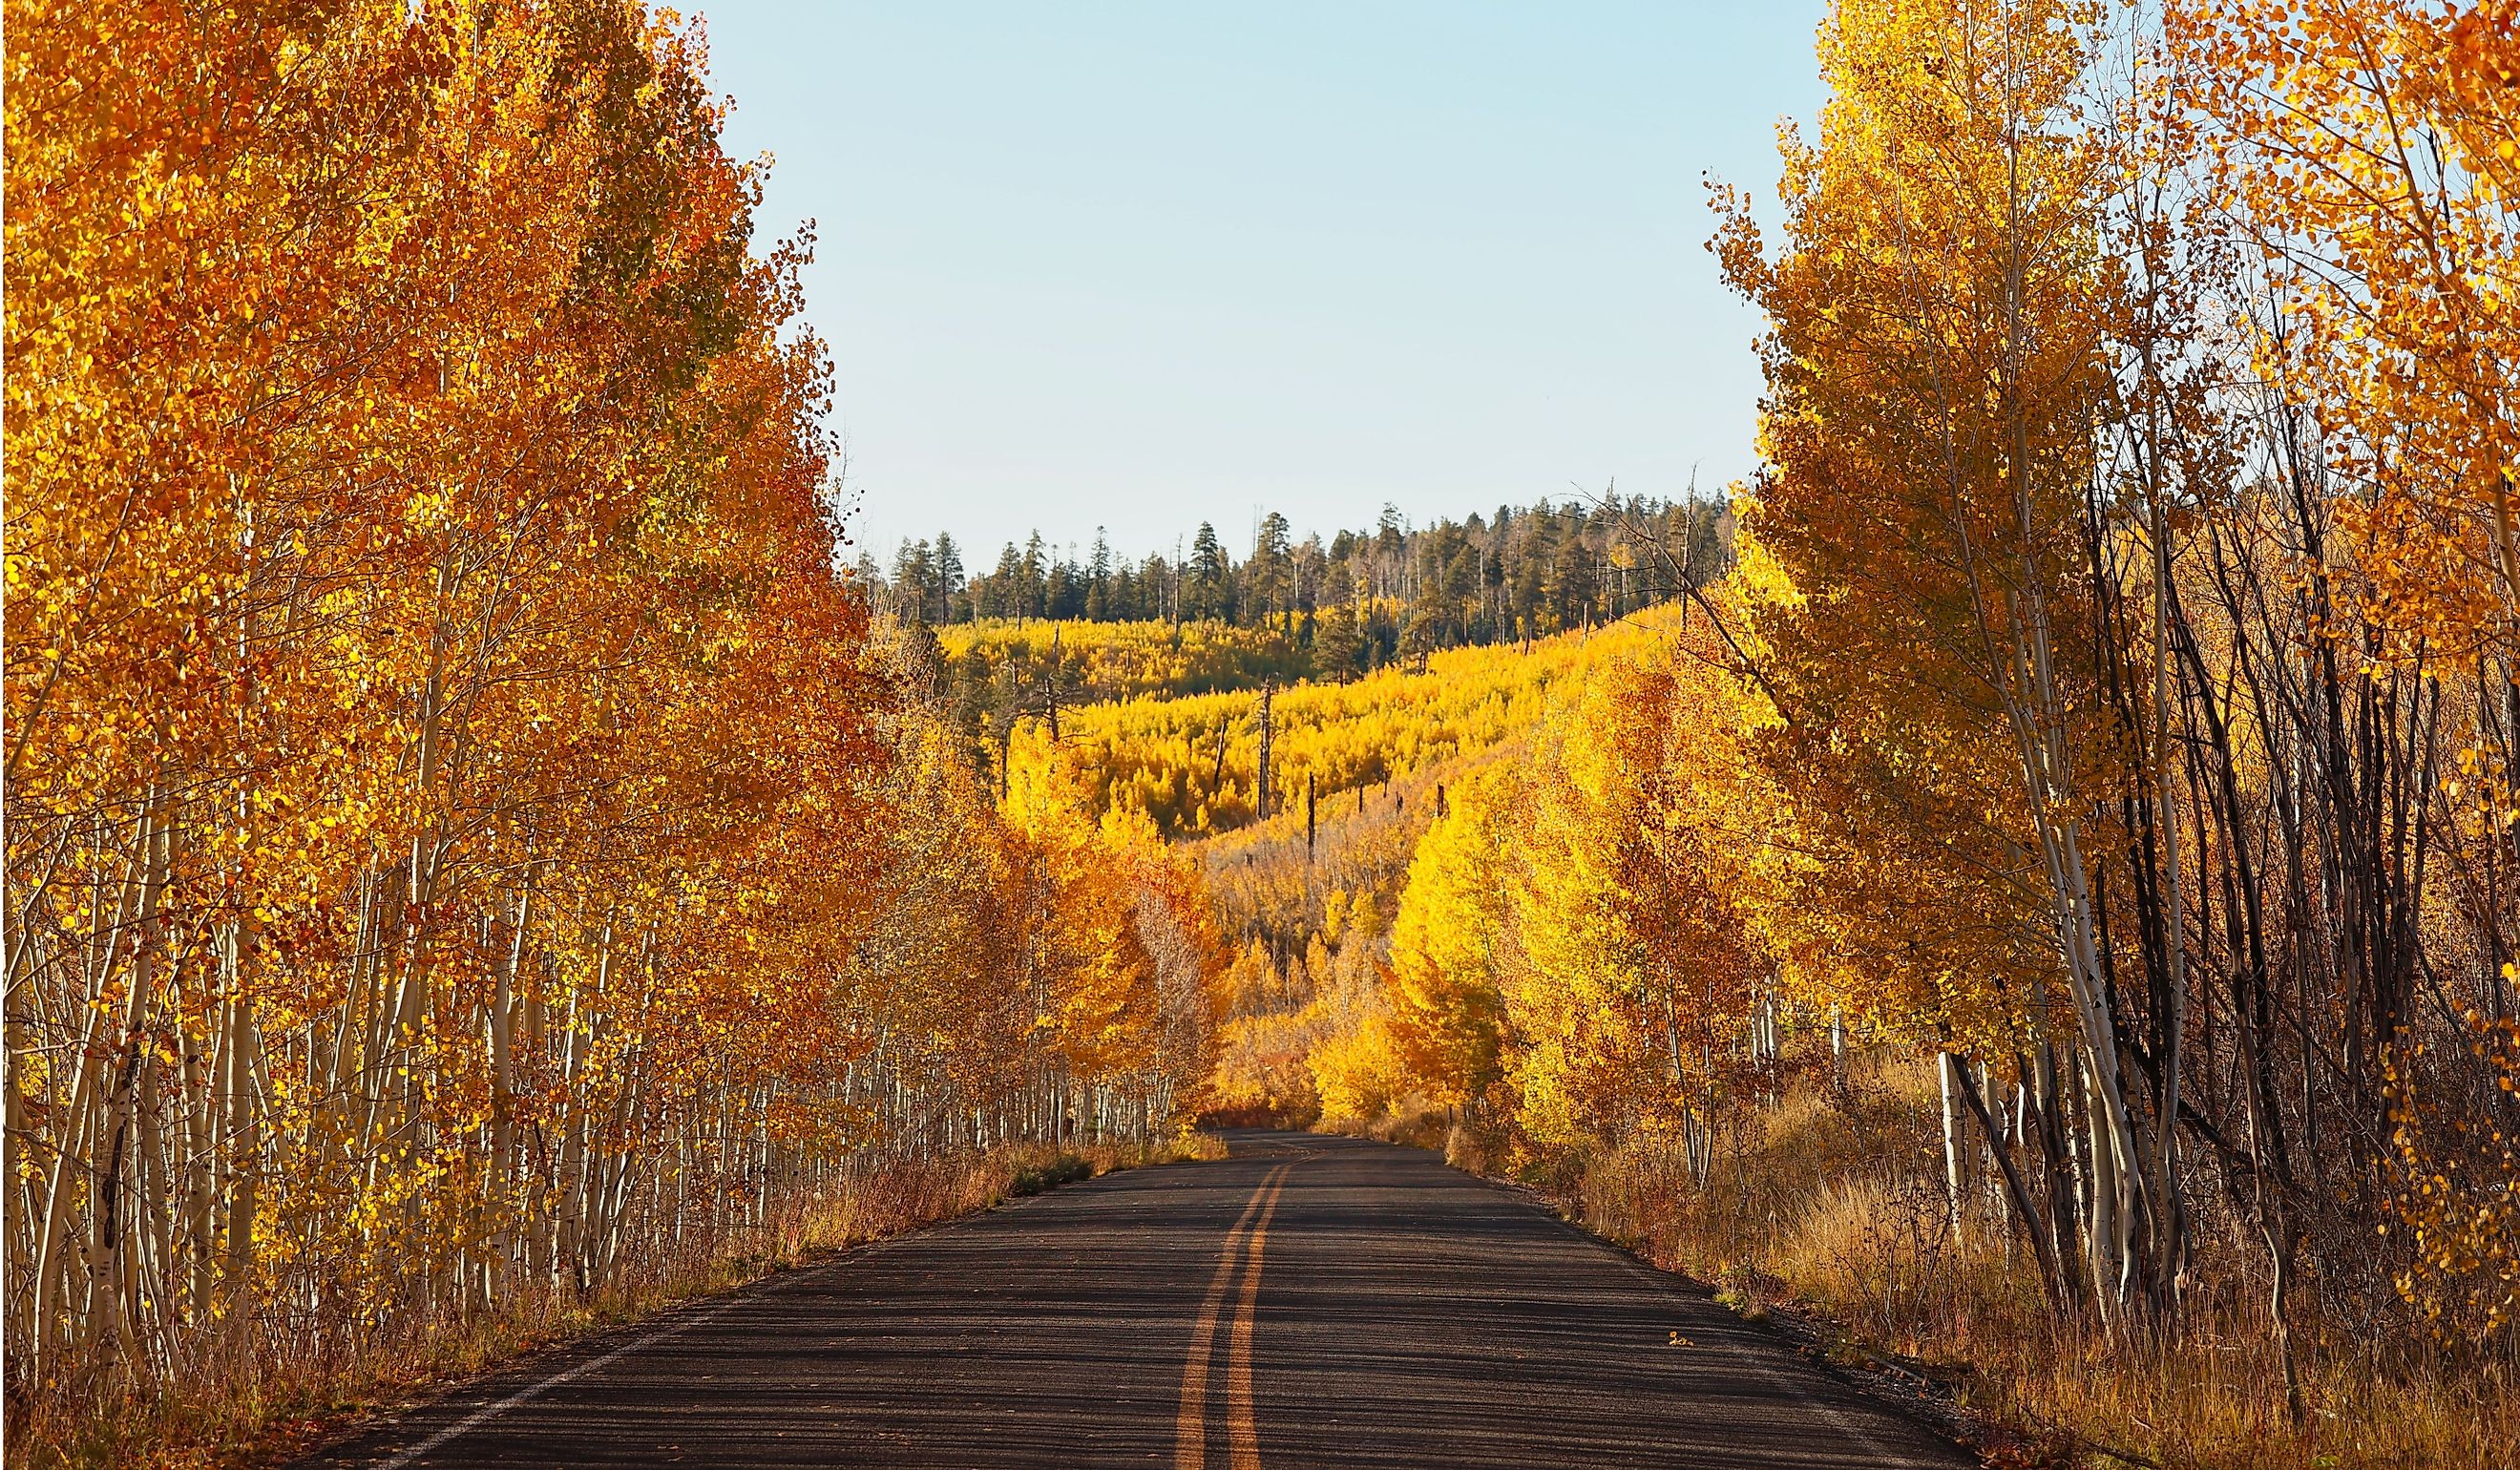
(1447, 945)
(1108, 662)
(1192, 765)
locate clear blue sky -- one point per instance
(1144, 264)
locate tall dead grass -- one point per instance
(1831, 1205)
(259, 1402)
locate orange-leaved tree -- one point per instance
(1942, 316)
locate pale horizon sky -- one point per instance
(1139, 265)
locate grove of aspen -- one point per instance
(2020, 880)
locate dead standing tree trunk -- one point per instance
(1268, 730)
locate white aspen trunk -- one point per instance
(59, 1267)
(24, 1203)
(245, 1153)
(364, 1067)
(198, 1102)
(2106, 1240)
(502, 1128)
(53, 1286)
(721, 1221)
(149, 1279)
(1999, 1110)
(114, 1295)
(2111, 1222)
(1959, 1146)
(1697, 1141)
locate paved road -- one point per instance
(1311, 1301)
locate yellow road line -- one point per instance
(1189, 1430)
(1241, 1431)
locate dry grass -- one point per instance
(261, 1405)
(1830, 1207)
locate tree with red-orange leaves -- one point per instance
(440, 749)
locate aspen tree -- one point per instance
(1940, 315)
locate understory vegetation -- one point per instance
(1830, 1206)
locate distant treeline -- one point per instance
(1358, 599)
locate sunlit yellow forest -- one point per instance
(1091, 662)
(1192, 764)
(2021, 884)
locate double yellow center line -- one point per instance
(1246, 1241)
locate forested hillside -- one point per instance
(1361, 599)
(1209, 763)
(1013, 667)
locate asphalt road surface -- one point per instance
(1311, 1301)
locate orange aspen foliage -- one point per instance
(2367, 151)
(454, 808)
